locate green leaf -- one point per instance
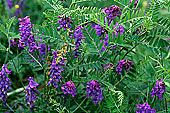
(168, 84)
(2, 29)
(9, 23)
(2, 47)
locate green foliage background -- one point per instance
(121, 93)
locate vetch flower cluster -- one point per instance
(25, 31)
(56, 70)
(159, 89)
(65, 22)
(112, 12)
(124, 64)
(4, 83)
(28, 39)
(78, 35)
(69, 87)
(145, 108)
(31, 92)
(94, 90)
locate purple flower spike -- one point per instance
(56, 70)
(159, 89)
(112, 12)
(65, 23)
(119, 29)
(145, 108)
(69, 87)
(25, 31)
(4, 83)
(124, 64)
(31, 92)
(78, 35)
(94, 90)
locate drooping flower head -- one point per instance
(94, 90)
(56, 70)
(78, 35)
(145, 108)
(135, 4)
(69, 87)
(112, 12)
(124, 64)
(65, 22)
(31, 92)
(159, 89)
(118, 29)
(4, 83)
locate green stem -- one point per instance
(79, 105)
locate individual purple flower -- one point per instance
(124, 64)
(135, 4)
(78, 35)
(94, 90)
(100, 30)
(31, 92)
(119, 29)
(4, 83)
(69, 87)
(65, 22)
(145, 108)
(56, 70)
(112, 12)
(159, 89)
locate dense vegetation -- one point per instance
(93, 56)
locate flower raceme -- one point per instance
(65, 22)
(112, 12)
(31, 92)
(4, 83)
(145, 108)
(124, 64)
(94, 90)
(78, 35)
(159, 89)
(56, 70)
(69, 87)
